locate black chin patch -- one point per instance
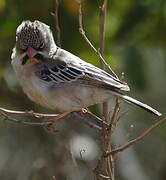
(25, 59)
(38, 56)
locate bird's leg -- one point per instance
(55, 120)
(83, 111)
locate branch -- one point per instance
(107, 132)
(101, 121)
(26, 113)
(8, 113)
(139, 138)
(90, 44)
(86, 122)
(26, 122)
(77, 173)
(102, 22)
(113, 122)
(55, 15)
(86, 164)
(99, 165)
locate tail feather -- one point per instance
(136, 102)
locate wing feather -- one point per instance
(59, 69)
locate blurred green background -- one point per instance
(135, 43)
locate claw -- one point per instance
(52, 122)
(50, 127)
(83, 111)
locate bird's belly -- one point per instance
(73, 97)
(35, 90)
(64, 96)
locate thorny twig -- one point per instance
(85, 121)
(91, 45)
(77, 173)
(139, 138)
(106, 128)
(109, 161)
(9, 113)
(114, 115)
(120, 116)
(115, 118)
(102, 22)
(86, 164)
(101, 121)
(55, 15)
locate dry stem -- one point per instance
(107, 129)
(91, 45)
(139, 138)
(55, 15)
(9, 113)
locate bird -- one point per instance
(59, 80)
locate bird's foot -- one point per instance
(52, 122)
(83, 111)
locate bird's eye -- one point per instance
(41, 46)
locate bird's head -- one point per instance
(34, 38)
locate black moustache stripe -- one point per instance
(39, 57)
(25, 59)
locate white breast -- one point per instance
(30, 83)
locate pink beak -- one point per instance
(31, 52)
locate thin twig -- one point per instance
(53, 178)
(126, 137)
(85, 163)
(101, 27)
(116, 110)
(113, 123)
(120, 116)
(99, 166)
(77, 173)
(8, 113)
(4, 111)
(97, 118)
(107, 134)
(85, 121)
(102, 22)
(26, 122)
(124, 141)
(104, 177)
(139, 138)
(90, 44)
(55, 15)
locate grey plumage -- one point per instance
(57, 78)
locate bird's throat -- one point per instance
(27, 60)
